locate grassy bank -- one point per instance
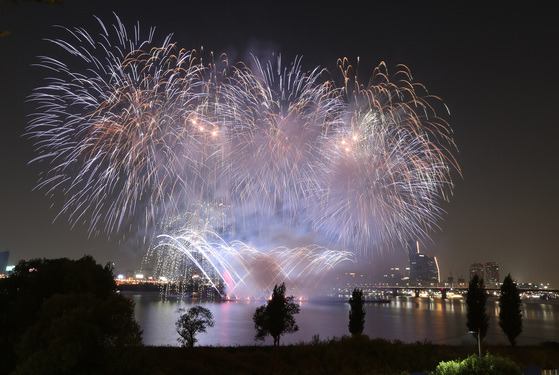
(338, 356)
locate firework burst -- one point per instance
(386, 169)
(134, 132)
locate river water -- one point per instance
(405, 318)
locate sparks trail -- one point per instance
(242, 269)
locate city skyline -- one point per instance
(497, 80)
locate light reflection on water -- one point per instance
(405, 319)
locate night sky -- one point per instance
(495, 67)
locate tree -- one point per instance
(510, 310)
(356, 312)
(47, 303)
(476, 297)
(194, 321)
(80, 333)
(276, 318)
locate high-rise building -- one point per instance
(4, 257)
(423, 268)
(393, 276)
(477, 269)
(491, 272)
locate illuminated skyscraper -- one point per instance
(423, 268)
(491, 272)
(4, 257)
(477, 269)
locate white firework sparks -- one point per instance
(142, 132)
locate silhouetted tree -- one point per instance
(276, 318)
(356, 312)
(476, 297)
(194, 321)
(47, 301)
(81, 334)
(510, 310)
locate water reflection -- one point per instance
(407, 319)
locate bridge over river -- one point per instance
(445, 291)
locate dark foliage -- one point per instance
(80, 334)
(276, 318)
(476, 297)
(356, 312)
(510, 310)
(61, 315)
(192, 322)
(339, 356)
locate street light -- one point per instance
(478, 340)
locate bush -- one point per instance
(474, 365)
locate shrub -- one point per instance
(474, 365)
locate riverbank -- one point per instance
(345, 355)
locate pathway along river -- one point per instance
(406, 319)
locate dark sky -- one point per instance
(495, 67)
